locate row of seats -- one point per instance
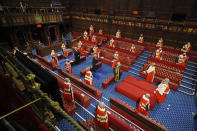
(107, 82)
(82, 72)
(161, 73)
(136, 117)
(79, 96)
(107, 57)
(167, 65)
(76, 34)
(45, 62)
(96, 93)
(115, 123)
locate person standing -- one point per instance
(162, 89)
(91, 29)
(68, 92)
(95, 57)
(101, 116)
(117, 72)
(77, 55)
(150, 73)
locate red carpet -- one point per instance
(134, 88)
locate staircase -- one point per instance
(139, 63)
(188, 81)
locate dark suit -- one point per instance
(77, 56)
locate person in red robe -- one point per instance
(160, 43)
(64, 50)
(118, 34)
(133, 49)
(100, 31)
(187, 47)
(94, 39)
(89, 77)
(85, 36)
(162, 89)
(144, 104)
(159, 54)
(150, 73)
(101, 116)
(141, 39)
(54, 58)
(182, 60)
(91, 29)
(112, 43)
(68, 66)
(68, 92)
(80, 49)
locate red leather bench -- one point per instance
(107, 82)
(81, 84)
(82, 72)
(60, 56)
(167, 65)
(79, 96)
(45, 62)
(133, 115)
(175, 78)
(115, 122)
(82, 58)
(107, 57)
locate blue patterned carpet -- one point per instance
(176, 113)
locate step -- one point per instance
(186, 91)
(136, 67)
(190, 75)
(191, 82)
(187, 86)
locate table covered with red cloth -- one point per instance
(134, 88)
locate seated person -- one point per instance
(111, 43)
(144, 104)
(160, 43)
(94, 39)
(91, 29)
(182, 59)
(133, 49)
(158, 54)
(68, 66)
(187, 47)
(118, 34)
(101, 116)
(141, 39)
(161, 91)
(80, 47)
(89, 77)
(85, 36)
(54, 58)
(64, 50)
(77, 55)
(150, 73)
(100, 31)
